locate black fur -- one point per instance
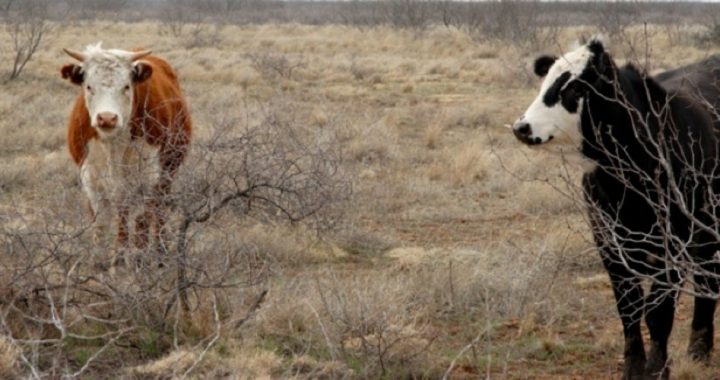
(570, 96)
(74, 73)
(543, 64)
(552, 95)
(141, 72)
(628, 184)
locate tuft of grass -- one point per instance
(433, 134)
(684, 368)
(9, 359)
(318, 117)
(373, 143)
(469, 163)
(172, 365)
(408, 87)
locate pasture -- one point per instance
(450, 248)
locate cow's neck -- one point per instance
(132, 163)
(615, 117)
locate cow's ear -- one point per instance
(596, 46)
(72, 72)
(141, 71)
(543, 63)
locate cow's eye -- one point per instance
(126, 88)
(573, 90)
(88, 88)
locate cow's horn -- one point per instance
(139, 54)
(75, 54)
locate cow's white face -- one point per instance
(107, 77)
(555, 113)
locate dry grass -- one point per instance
(469, 163)
(9, 359)
(454, 231)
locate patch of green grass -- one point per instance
(151, 344)
(354, 363)
(82, 355)
(222, 349)
(356, 250)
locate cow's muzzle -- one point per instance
(107, 121)
(523, 132)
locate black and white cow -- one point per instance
(650, 190)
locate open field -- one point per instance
(458, 250)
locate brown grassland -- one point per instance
(459, 250)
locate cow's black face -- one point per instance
(555, 112)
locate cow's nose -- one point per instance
(522, 130)
(107, 120)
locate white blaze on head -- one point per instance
(107, 77)
(555, 112)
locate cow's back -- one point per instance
(700, 80)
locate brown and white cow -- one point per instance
(129, 131)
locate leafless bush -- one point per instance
(175, 13)
(359, 322)
(407, 13)
(358, 319)
(27, 23)
(202, 35)
(517, 21)
(383, 323)
(175, 20)
(359, 14)
(447, 14)
(710, 21)
(614, 18)
(62, 314)
(94, 9)
(178, 15)
(275, 65)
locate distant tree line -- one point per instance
(528, 23)
(401, 13)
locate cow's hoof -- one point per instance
(700, 346)
(119, 261)
(664, 374)
(101, 266)
(634, 368)
(657, 368)
(142, 235)
(118, 257)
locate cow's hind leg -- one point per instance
(701, 338)
(629, 300)
(123, 236)
(142, 230)
(659, 315)
(157, 207)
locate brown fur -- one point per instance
(160, 116)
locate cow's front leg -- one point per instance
(659, 314)
(98, 203)
(701, 338)
(121, 171)
(629, 300)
